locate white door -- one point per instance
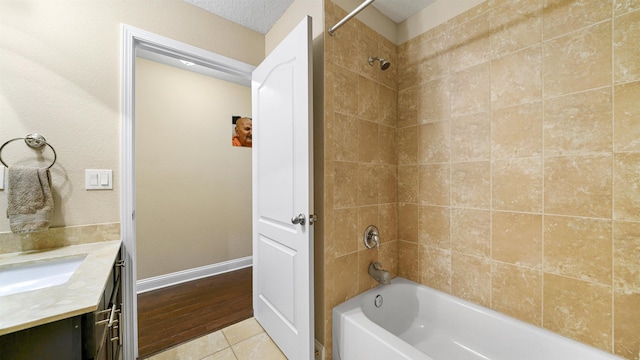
(282, 183)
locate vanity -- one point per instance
(63, 303)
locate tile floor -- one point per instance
(245, 340)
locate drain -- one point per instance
(378, 301)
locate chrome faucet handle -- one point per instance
(372, 237)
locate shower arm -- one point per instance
(348, 17)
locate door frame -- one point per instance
(131, 39)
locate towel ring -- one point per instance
(34, 141)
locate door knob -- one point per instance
(300, 219)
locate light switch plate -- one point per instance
(98, 179)
(1, 177)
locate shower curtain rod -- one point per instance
(348, 17)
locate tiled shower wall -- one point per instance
(517, 181)
(519, 164)
(360, 160)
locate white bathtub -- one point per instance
(416, 322)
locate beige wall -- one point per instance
(193, 191)
(60, 76)
(518, 164)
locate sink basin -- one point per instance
(37, 275)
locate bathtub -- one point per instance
(406, 320)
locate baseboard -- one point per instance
(158, 282)
(319, 353)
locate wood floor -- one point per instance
(176, 314)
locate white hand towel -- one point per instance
(29, 199)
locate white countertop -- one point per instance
(79, 295)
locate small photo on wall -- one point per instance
(241, 131)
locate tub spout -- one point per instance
(379, 274)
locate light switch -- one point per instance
(104, 179)
(1, 177)
(98, 179)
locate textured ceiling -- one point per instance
(260, 15)
(257, 15)
(400, 10)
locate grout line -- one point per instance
(542, 164)
(613, 198)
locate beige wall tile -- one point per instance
(468, 15)
(624, 6)
(434, 226)
(471, 232)
(517, 78)
(407, 77)
(435, 268)
(387, 50)
(626, 49)
(368, 189)
(626, 182)
(387, 183)
(471, 278)
(578, 310)
(471, 137)
(346, 138)
(387, 144)
(408, 106)
(433, 142)
(471, 185)
(367, 45)
(626, 256)
(516, 184)
(408, 145)
(345, 54)
(579, 248)
(368, 142)
(578, 61)
(516, 238)
(367, 215)
(517, 292)
(516, 131)
(471, 90)
(409, 267)
(368, 99)
(388, 255)
(388, 106)
(563, 16)
(578, 123)
(344, 284)
(433, 57)
(578, 185)
(346, 175)
(627, 324)
(408, 184)
(434, 183)
(345, 91)
(626, 128)
(408, 229)
(470, 43)
(434, 101)
(347, 233)
(514, 26)
(388, 221)
(365, 258)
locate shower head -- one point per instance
(384, 64)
